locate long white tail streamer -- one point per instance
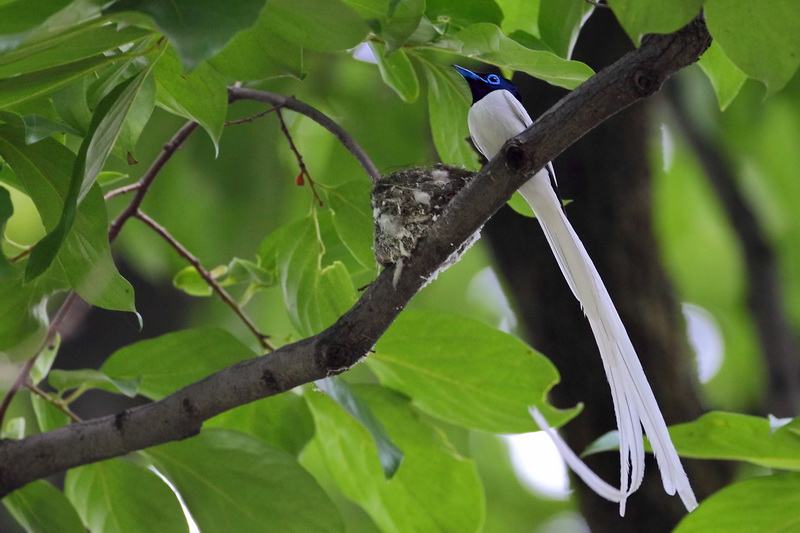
(634, 403)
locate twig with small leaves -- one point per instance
(251, 118)
(60, 404)
(263, 339)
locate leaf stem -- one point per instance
(60, 404)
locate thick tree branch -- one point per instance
(180, 415)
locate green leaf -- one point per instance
(463, 12)
(23, 314)
(389, 455)
(315, 296)
(737, 437)
(104, 130)
(79, 42)
(435, 488)
(487, 43)
(13, 428)
(560, 23)
(448, 106)
(760, 38)
(281, 421)
(71, 106)
(233, 482)
(64, 380)
(48, 416)
(352, 217)
(6, 210)
(137, 118)
(519, 16)
(24, 87)
(44, 169)
(18, 18)
(27, 506)
(725, 77)
(172, 361)
(401, 23)
(324, 25)
(200, 95)
(466, 373)
(38, 127)
(197, 28)
(104, 496)
(397, 72)
(259, 53)
(763, 504)
(639, 17)
(189, 280)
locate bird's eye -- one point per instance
(493, 79)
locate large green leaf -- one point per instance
(352, 217)
(24, 87)
(233, 482)
(760, 38)
(39, 507)
(197, 28)
(435, 489)
(737, 437)
(465, 372)
(315, 296)
(560, 23)
(487, 43)
(116, 496)
(83, 41)
(259, 53)
(639, 17)
(726, 78)
(283, 421)
(200, 95)
(44, 169)
(87, 378)
(448, 106)
(19, 17)
(325, 25)
(389, 455)
(397, 72)
(402, 23)
(463, 12)
(764, 504)
(167, 363)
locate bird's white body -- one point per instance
(494, 119)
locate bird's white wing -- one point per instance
(494, 119)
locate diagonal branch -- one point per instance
(635, 76)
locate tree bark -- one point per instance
(606, 174)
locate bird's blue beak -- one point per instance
(467, 74)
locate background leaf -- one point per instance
(639, 17)
(233, 482)
(26, 505)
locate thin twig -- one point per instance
(240, 93)
(147, 179)
(24, 375)
(206, 275)
(303, 175)
(122, 190)
(61, 405)
(251, 118)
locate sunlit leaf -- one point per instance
(389, 455)
(639, 17)
(767, 503)
(397, 72)
(87, 378)
(352, 218)
(463, 12)
(466, 373)
(26, 505)
(167, 363)
(485, 42)
(233, 482)
(760, 38)
(103, 495)
(560, 23)
(420, 497)
(325, 25)
(725, 77)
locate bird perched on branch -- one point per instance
(496, 116)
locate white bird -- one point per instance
(495, 117)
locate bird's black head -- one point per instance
(482, 84)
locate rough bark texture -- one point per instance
(606, 175)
